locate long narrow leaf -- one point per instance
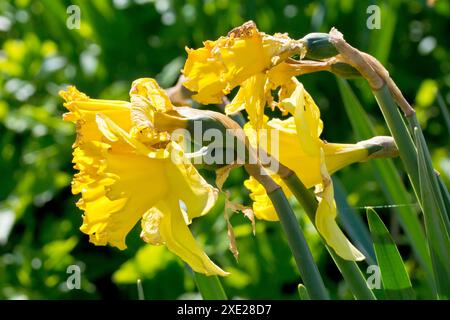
(396, 283)
(209, 287)
(444, 110)
(437, 234)
(445, 194)
(303, 293)
(433, 181)
(389, 180)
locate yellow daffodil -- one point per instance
(312, 159)
(130, 170)
(246, 57)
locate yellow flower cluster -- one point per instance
(131, 169)
(258, 64)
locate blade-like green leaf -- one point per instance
(444, 110)
(389, 180)
(303, 293)
(140, 290)
(209, 287)
(432, 177)
(437, 234)
(396, 283)
(445, 194)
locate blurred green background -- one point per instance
(122, 40)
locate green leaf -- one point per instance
(442, 106)
(395, 279)
(303, 293)
(146, 264)
(170, 73)
(140, 290)
(445, 194)
(209, 287)
(435, 216)
(389, 179)
(432, 177)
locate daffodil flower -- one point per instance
(247, 58)
(130, 170)
(312, 159)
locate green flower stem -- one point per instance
(210, 287)
(399, 131)
(349, 269)
(303, 257)
(297, 243)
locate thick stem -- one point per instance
(297, 242)
(294, 234)
(399, 131)
(349, 269)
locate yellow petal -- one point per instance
(326, 220)
(239, 101)
(262, 205)
(165, 224)
(307, 119)
(188, 185)
(290, 153)
(83, 111)
(155, 96)
(252, 96)
(117, 189)
(281, 74)
(113, 133)
(340, 155)
(221, 65)
(203, 74)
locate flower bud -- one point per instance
(380, 147)
(318, 46)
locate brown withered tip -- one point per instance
(246, 29)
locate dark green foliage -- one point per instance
(120, 41)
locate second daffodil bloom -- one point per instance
(312, 159)
(247, 58)
(130, 170)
